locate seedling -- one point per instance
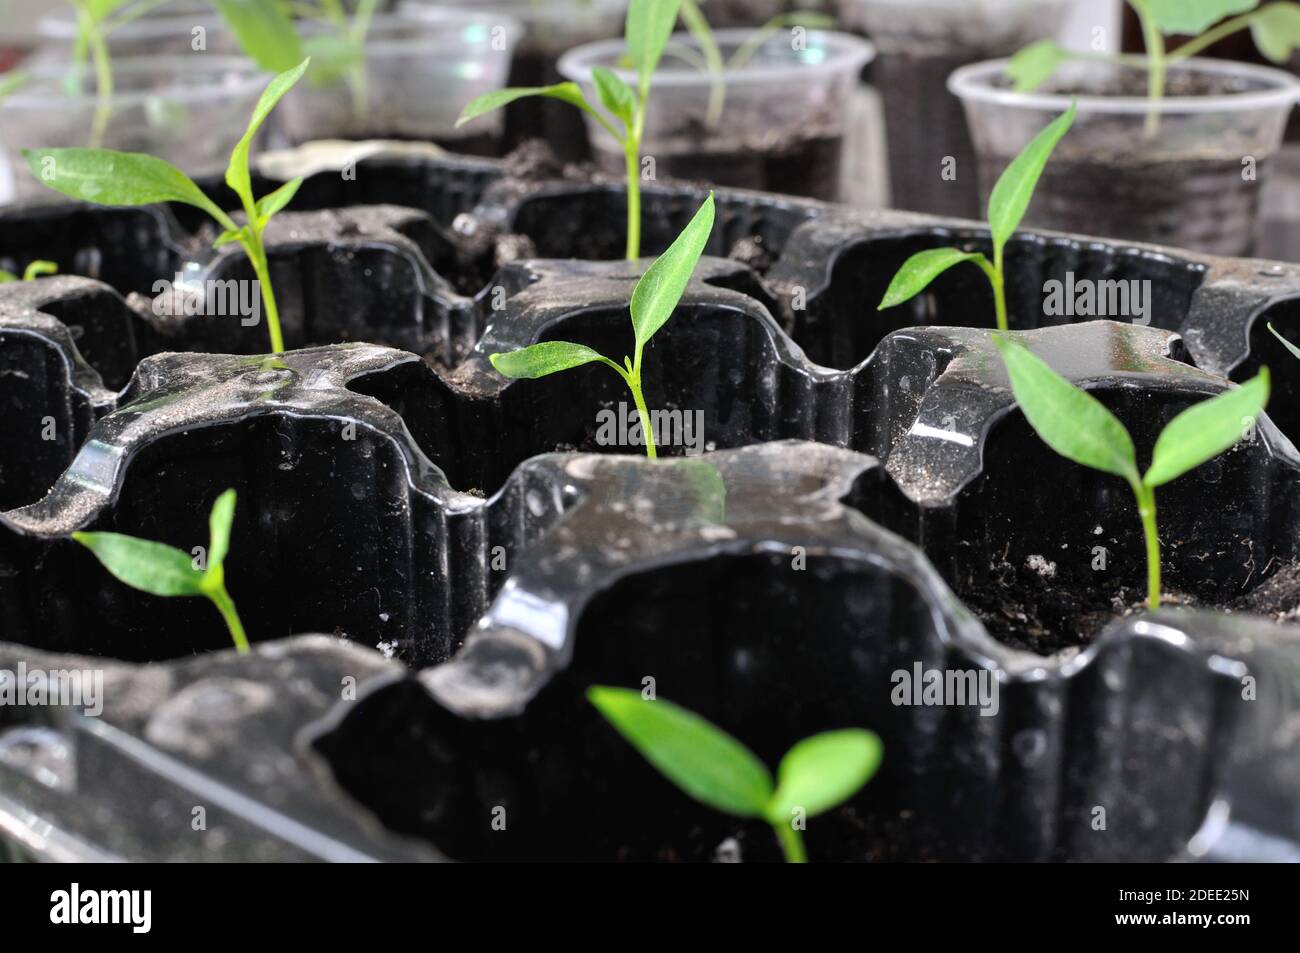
(95, 21)
(267, 33)
(33, 271)
(107, 177)
(714, 63)
(1007, 206)
(653, 302)
(162, 570)
(1078, 427)
(648, 27)
(1275, 28)
(817, 774)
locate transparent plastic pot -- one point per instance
(418, 73)
(182, 26)
(1186, 172)
(921, 42)
(189, 109)
(776, 123)
(550, 29)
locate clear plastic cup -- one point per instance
(189, 110)
(1186, 172)
(921, 42)
(418, 74)
(181, 26)
(783, 113)
(550, 29)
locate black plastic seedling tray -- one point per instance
(473, 563)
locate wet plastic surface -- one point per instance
(402, 495)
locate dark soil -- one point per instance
(1026, 608)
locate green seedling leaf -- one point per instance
(701, 759)
(661, 287)
(264, 31)
(332, 55)
(107, 177)
(219, 522)
(918, 271)
(231, 235)
(271, 203)
(615, 95)
(1193, 17)
(1276, 31)
(1035, 64)
(1295, 351)
(1015, 187)
(237, 176)
(1070, 421)
(1207, 429)
(548, 357)
(649, 25)
(154, 568)
(823, 771)
(489, 102)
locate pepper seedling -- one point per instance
(108, 177)
(817, 774)
(95, 21)
(1008, 203)
(654, 299)
(647, 29)
(33, 271)
(1080, 428)
(1275, 28)
(716, 65)
(266, 32)
(163, 570)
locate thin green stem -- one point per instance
(1154, 41)
(256, 252)
(634, 385)
(996, 280)
(226, 606)
(791, 843)
(632, 157)
(1146, 500)
(103, 80)
(1210, 37)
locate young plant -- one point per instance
(648, 27)
(653, 301)
(1007, 206)
(714, 62)
(96, 19)
(815, 775)
(107, 177)
(266, 31)
(1275, 28)
(1078, 427)
(33, 271)
(162, 570)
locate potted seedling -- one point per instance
(920, 42)
(162, 570)
(550, 28)
(1080, 428)
(1008, 202)
(106, 177)
(1170, 148)
(186, 106)
(818, 773)
(653, 301)
(761, 109)
(625, 97)
(382, 76)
